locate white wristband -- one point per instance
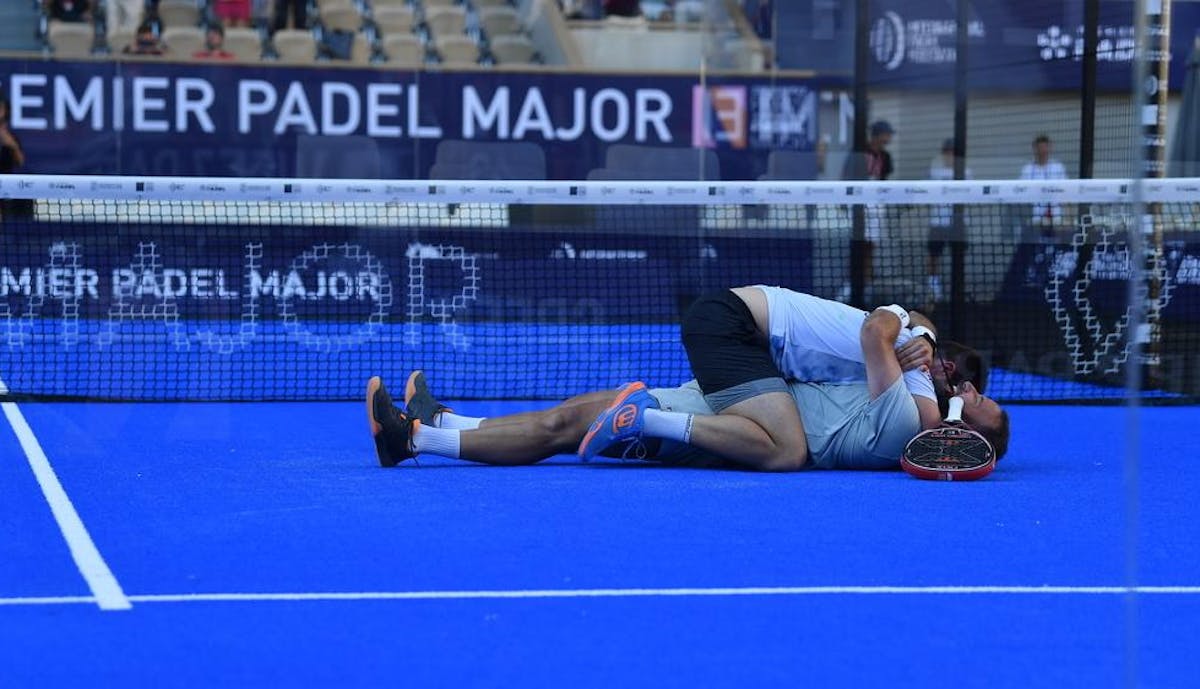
(922, 331)
(900, 313)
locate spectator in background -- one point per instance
(941, 221)
(69, 10)
(11, 158)
(146, 42)
(298, 9)
(214, 45)
(874, 164)
(232, 12)
(761, 16)
(1045, 216)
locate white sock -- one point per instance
(438, 441)
(449, 419)
(671, 425)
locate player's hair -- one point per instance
(1041, 139)
(997, 436)
(968, 364)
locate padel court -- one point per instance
(259, 545)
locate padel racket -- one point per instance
(951, 452)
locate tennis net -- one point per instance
(263, 289)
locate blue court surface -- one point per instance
(259, 545)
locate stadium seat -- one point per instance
(404, 50)
(360, 50)
(340, 16)
(376, 5)
(455, 159)
(445, 21)
(457, 50)
(512, 50)
(183, 41)
(295, 46)
(70, 39)
(429, 4)
(178, 13)
(480, 4)
(244, 43)
(626, 161)
(393, 19)
(117, 40)
(500, 21)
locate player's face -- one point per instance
(1041, 150)
(979, 410)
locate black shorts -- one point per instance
(729, 357)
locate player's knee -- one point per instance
(562, 424)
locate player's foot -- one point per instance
(419, 403)
(390, 427)
(622, 420)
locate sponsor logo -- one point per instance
(107, 186)
(719, 116)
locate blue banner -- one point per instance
(257, 121)
(1021, 45)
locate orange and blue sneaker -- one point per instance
(391, 428)
(419, 403)
(621, 421)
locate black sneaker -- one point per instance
(391, 428)
(418, 403)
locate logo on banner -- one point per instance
(719, 116)
(887, 40)
(783, 117)
(1092, 344)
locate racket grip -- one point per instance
(954, 415)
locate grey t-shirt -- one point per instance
(844, 427)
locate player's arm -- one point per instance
(878, 336)
(878, 339)
(919, 350)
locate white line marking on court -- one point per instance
(106, 591)
(625, 593)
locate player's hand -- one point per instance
(915, 353)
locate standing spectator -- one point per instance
(873, 164)
(232, 12)
(146, 42)
(941, 219)
(298, 9)
(11, 158)
(1045, 216)
(69, 10)
(214, 45)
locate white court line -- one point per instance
(626, 593)
(106, 592)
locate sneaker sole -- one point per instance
(620, 399)
(385, 459)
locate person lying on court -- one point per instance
(744, 345)
(848, 425)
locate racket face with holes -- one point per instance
(949, 453)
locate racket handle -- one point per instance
(955, 413)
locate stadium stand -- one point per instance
(403, 50)
(512, 49)
(178, 13)
(70, 40)
(184, 41)
(246, 44)
(457, 49)
(499, 21)
(393, 19)
(445, 21)
(340, 16)
(294, 46)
